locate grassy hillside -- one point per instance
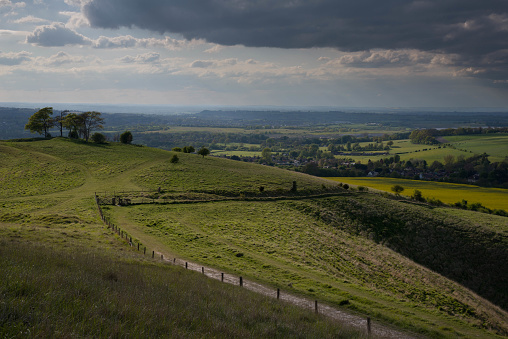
(357, 251)
(65, 275)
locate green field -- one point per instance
(495, 145)
(396, 262)
(493, 198)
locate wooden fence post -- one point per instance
(241, 281)
(186, 265)
(368, 326)
(138, 246)
(203, 270)
(222, 277)
(153, 254)
(144, 251)
(174, 260)
(278, 293)
(315, 306)
(162, 257)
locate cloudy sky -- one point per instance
(388, 53)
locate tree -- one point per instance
(398, 189)
(204, 151)
(90, 121)
(72, 122)
(41, 121)
(126, 137)
(98, 138)
(417, 195)
(266, 154)
(176, 149)
(59, 121)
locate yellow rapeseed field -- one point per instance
(493, 198)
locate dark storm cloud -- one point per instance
(475, 30)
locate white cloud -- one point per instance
(202, 64)
(10, 4)
(12, 58)
(214, 49)
(59, 59)
(76, 19)
(30, 19)
(56, 34)
(128, 41)
(142, 58)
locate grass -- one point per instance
(354, 250)
(493, 198)
(287, 244)
(64, 274)
(50, 292)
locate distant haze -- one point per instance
(177, 109)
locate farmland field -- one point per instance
(495, 145)
(493, 198)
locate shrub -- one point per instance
(174, 159)
(126, 137)
(417, 195)
(98, 138)
(398, 189)
(188, 149)
(345, 186)
(176, 149)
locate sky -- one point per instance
(341, 53)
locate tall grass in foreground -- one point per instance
(56, 293)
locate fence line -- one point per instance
(352, 320)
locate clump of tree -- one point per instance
(424, 136)
(41, 121)
(188, 149)
(80, 125)
(126, 137)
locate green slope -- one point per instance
(354, 250)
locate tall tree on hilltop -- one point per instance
(59, 121)
(41, 121)
(90, 121)
(72, 123)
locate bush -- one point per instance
(174, 159)
(176, 149)
(397, 189)
(98, 138)
(126, 137)
(188, 149)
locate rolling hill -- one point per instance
(433, 271)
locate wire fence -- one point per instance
(352, 320)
